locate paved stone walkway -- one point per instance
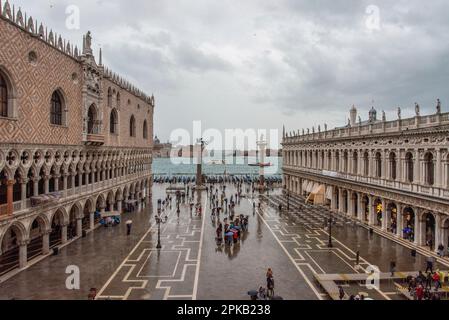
(192, 266)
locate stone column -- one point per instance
(64, 183)
(35, 187)
(92, 220)
(399, 221)
(23, 253)
(438, 231)
(359, 207)
(340, 201)
(79, 227)
(46, 242)
(333, 200)
(23, 191)
(10, 197)
(119, 205)
(371, 214)
(384, 165)
(64, 233)
(56, 179)
(46, 184)
(350, 208)
(384, 215)
(438, 172)
(417, 227)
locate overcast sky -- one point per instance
(262, 64)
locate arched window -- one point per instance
(345, 162)
(337, 161)
(366, 164)
(430, 169)
(118, 100)
(409, 167)
(109, 97)
(132, 127)
(145, 130)
(113, 122)
(56, 112)
(3, 97)
(393, 166)
(355, 163)
(378, 165)
(92, 122)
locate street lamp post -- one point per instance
(329, 245)
(159, 220)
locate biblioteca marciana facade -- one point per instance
(75, 141)
(392, 176)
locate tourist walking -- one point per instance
(341, 292)
(129, 225)
(429, 264)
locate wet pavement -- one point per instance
(191, 265)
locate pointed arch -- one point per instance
(7, 95)
(58, 108)
(132, 126)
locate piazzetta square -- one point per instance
(206, 151)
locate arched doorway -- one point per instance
(345, 202)
(408, 224)
(100, 205)
(9, 259)
(365, 206)
(428, 234)
(392, 217)
(378, 210)
(355, 203)
(110, 202)
(92, 120)
(445, 233)
(36, 246)
(72, 230)
(56, 229)
(86, 215)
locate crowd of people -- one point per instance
(425, 286)
(233, 225)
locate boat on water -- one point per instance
(260, 164)
(217, 162)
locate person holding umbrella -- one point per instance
(129, 224)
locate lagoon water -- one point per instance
(214, 166)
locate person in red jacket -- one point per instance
(419, 292)
(436, 280)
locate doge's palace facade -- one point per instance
(75, 141)
(392, 176)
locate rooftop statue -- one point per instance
(417, 109)
(438, 106)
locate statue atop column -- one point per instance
(87, 44)
(417, 109)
